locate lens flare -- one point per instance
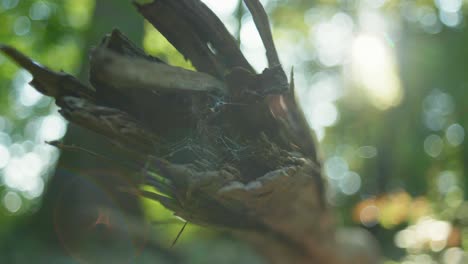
(91, 225)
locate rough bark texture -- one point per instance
(222, 146)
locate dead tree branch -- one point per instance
(222, 147)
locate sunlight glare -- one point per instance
(375, 70)
(251, 45)
(53, 127)
(331, 39)
(225, 11)
(29, 96)
(4, 156)
(223, 8)
(323, 115)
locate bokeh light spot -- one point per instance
(455, 134)
(12, 202)
(53, 127)
(29, 96)
(369, 216)
(454, 197)
(350, 183)
(405, 238)
(437, 107)
(367, 152)
(427, 233)
(36, 189)
(5, 139)
(336, 167)
(9, 4)
(4, 156)
(78, 13)
(331, 39)
(450, 19)
(429, 20)
(323, 115)
(445, 181)
(454, 256)
(17, 150)
(449, 5)
(23, 174)
(39, 11)
(22, 26)
(373, 3)
(433, 145)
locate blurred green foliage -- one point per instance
(49, 31)
(382, 82)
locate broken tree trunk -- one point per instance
(222, 146)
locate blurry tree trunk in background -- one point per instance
(84, 186)
(222, 146)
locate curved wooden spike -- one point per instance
(22, 60)
(197, 33)
(48, 82)
(116, 41)
(182, 35)
(262, 23)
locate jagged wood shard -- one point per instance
(118, 126)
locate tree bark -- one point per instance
(222, 146)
